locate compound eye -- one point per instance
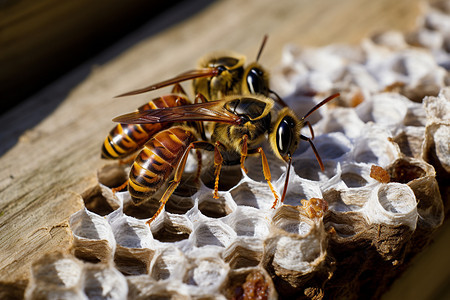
(285, 135)
(256, 83)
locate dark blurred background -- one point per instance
(42, 40)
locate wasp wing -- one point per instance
(207, 72)
(209, 111)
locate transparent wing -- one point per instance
(209, 111)
(207, 72)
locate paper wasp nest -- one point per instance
(377, 143)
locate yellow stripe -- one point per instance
(139, 167)
(174, 138)
(120, 128)
(158, 158)
(119, 149)
(109, 149)
(138, 188)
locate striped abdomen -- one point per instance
(125, 139)
(157, 160)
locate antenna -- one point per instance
(262, 46)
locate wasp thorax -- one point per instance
(247, 107)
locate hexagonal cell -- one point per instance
(296, 250)
(254, 194)
(135, 248)
(410, 140)
(57, 270)
(356, 175)
(112, 174)
(249, 222)
(146, 288)
(309, 168)
(384, 108)
(404, 170)
(436, 145)
(344, 227)
(56, 276)
(171, 228)
(353, 180)
(170, 263)
(293, 219)
(249, 283)
(179, 205)
(396, 198)
(215, 208)
(104, 282)
(346, 200)
(398, 204)
(133, 261)
(244, 253)
(228, 178)
(205, 276)
(93, 237)
(212, 232)
(342, 123)
(144, 210)
(374, 146)
(299, 189)
(426, 189)
(332, 146)
(189, 185)
(100, 200)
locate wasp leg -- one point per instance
(244, 152)
(177, 177)
(266, 172)
(218, 161)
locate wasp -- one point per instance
(237, 126)
(220, 74)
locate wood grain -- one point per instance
(44, 174)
